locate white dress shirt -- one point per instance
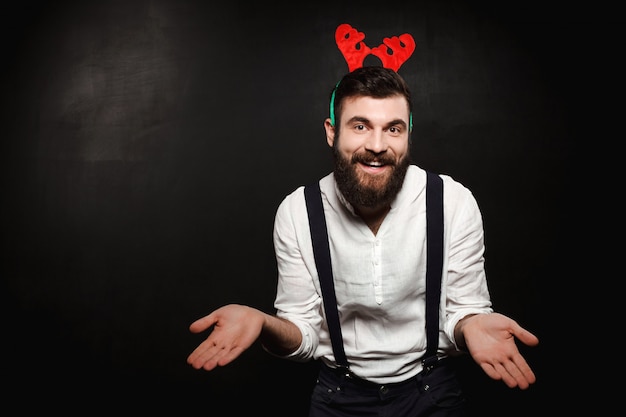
(380, 279)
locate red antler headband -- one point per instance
(354, 50)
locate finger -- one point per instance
(195, 358)
(517, 376)
(213, 359)
(221, 356)
(229, 356)
(203, 323)
(206, 355)
(204, 349)
(490, 371)
(525, 371)
(525, 336)
(505, 375)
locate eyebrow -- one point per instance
(397, 122)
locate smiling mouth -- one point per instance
(374, 167)
(372, 161)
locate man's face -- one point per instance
(372, 154)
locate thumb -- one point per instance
(525, 336)
(203, 323)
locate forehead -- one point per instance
(374, 109)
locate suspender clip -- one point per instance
(429, 363)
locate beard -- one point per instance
(365, 190)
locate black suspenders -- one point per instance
(321, 251)
(434, 266)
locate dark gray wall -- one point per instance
(147, 144)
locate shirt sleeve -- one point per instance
(297, 297)
(465, 279)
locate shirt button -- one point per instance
(384, 389)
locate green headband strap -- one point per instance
(332, 105)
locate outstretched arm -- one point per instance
(490, 339)
(235, 329)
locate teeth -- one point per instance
(375, 164)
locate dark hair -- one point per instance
(372, 81)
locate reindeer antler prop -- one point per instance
(393, 52)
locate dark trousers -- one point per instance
(436, 393)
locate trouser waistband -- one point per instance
(348, 376)
(345, 376)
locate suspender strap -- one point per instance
(434, 263)
(321, 251)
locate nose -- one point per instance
(376, 142)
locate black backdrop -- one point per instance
(147, 144)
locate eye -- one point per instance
(395, 130)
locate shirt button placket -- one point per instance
(378, 288)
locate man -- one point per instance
(374, 205)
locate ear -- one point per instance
(330, 132)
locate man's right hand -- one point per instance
(236, 328)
